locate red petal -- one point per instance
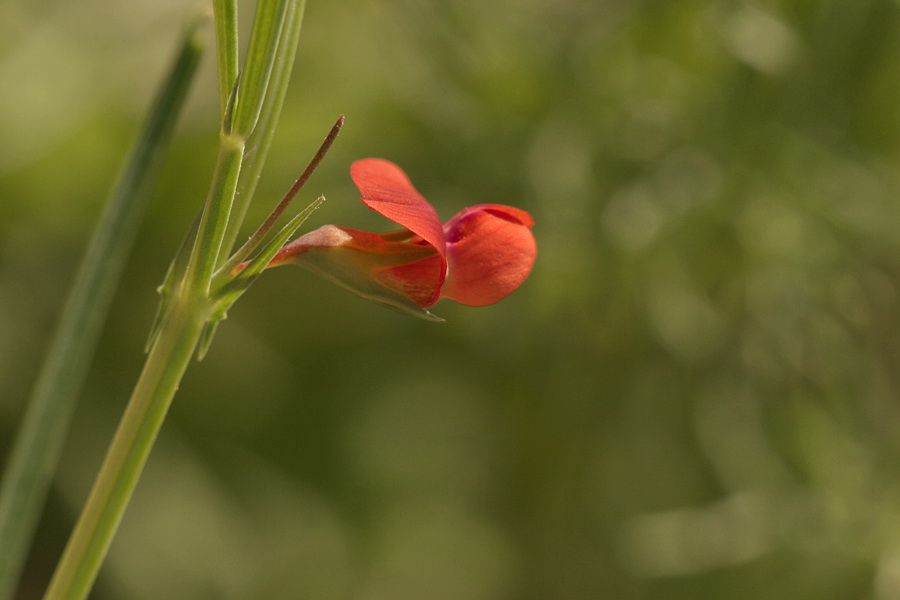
(386, 189)
(415, 280)
(491, 250)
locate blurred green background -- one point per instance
(695, 395)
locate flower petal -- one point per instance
(415, 280)
(490, 249)
(386, 189)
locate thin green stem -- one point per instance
(37, 447)
(259, 143)
(216, 214)
(128, 452)
(187, 308)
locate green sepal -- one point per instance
(352, 270)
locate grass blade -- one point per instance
(36, 450)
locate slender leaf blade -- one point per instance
(37, 447)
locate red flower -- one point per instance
(476, 258)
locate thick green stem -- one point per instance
(128, 452)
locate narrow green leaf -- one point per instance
(259, 263)
(263, 230)
(206, 337)
(264, 40)
(228, 110)
(226, 283)
(36, 450)
(228, 287)
(225, 17)
(261, 140)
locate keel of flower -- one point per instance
(367, 265)
(476, 258)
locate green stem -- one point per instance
(40, 438)
(261, 140)
(128, 452)
(187, 310)
(171, 352)
(168, 359)
(176, 342)
(216, 213)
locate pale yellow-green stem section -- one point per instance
(128, 452)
